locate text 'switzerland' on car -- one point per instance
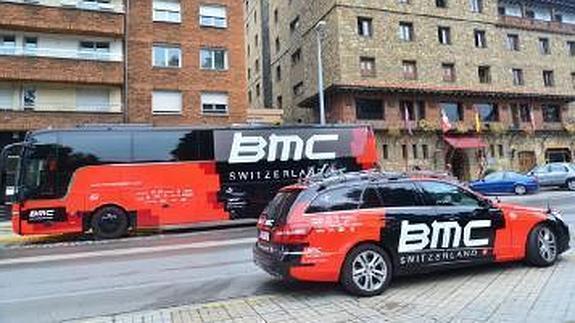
(363, 229)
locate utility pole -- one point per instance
(320, 30)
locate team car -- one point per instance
(362, 229)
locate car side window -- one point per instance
(399, 195)
(341, 199)
(370, 199)
(558, 169)
(443, 194)
(494, 176)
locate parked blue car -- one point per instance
(505, 182)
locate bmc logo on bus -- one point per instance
(252, 149)
(45, 215)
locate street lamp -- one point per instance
(320, 31)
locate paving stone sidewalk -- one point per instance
(499, 293)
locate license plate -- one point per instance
(264, 235)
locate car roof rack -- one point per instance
(329, 177)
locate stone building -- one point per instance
(162, 62)
(502, 72)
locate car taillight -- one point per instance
(290, 234)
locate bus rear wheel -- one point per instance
(110, 222)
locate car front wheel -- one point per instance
(366, 271)
(542, 246)
(571, 184)
(520, 190)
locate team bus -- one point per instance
(115, 180)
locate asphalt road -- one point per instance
(72, 280)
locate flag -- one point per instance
(407, 122)
(532, 117)
(445, 124)
(477, 121)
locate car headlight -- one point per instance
(556, 213)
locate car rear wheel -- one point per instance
(520, 190)
(542, 246)
(110, 223)
(366, 271)
(571, 184)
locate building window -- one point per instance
(544, 47)
(365, 27)
(250, 96)
(571, 48)
(279, 73)
(513, 42)
(404, 153)
(441, 3)
(453, 111)
(369, 109)
(415, 152)
(166, 102)
(258, 90)
(294, 25)
(480, 39)
(525, 112)
(214, 59)
(29, 96)
(257, 65)
(448, 72)
(280, 102)
(518, 76)
(573, 79)
(425, 151)
(213, 16)
(30, 45)
(296, 57)
(167, 56)
(94, 50)
(476, 5)
(484, 74)
(501, 151)
(548, 78)
(215, 103)
(444, 35)
(385, 151)
(415, 110)
(488, 112)
(410, 70)
(551, 113)
(367, 66)
(298, 89)
(167, 11)
(406, 32)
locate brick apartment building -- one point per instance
(510, 64)
(162, 62)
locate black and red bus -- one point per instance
(112, 180)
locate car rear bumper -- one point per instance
(277, 260)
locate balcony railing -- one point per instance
(60, 53)
(65, 108)
(78, 4)
(535, 24)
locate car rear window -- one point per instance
(278, 209)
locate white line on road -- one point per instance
(125, 252)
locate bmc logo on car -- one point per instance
(252, 149)
(444, 235)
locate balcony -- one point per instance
(537, 25)
(61, 53)
(32, 15)
(46, 69)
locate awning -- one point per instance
(465, 142)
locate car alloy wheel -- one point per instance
(547, 244)
(520, 190)
(369, 271)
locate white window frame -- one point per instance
(169, 110)
(167, 49)
(214, 99)
(163, 9)
(212, 53)
(208, 19)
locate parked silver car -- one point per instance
(555, 174)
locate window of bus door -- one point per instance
(40, 173)
(8, 168)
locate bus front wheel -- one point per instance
(110, 222)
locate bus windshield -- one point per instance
(40, 173)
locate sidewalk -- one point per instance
(504, 293)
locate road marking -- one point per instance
(125, 252)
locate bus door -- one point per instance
(9, 161)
